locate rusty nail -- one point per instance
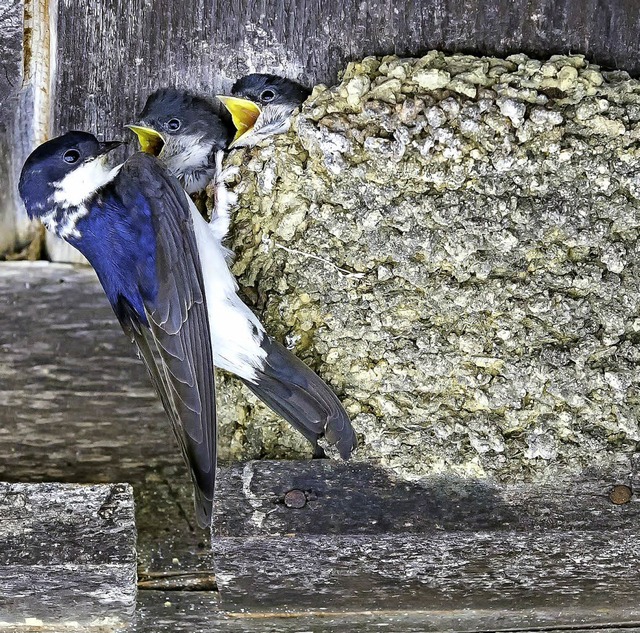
(295, 499)
(620, 494)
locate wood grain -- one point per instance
(362, 499)
(67, 553)
(365, 539)
(194, 612)
(439, 571)
(127, 51)
(11, 52)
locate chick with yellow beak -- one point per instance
(244, 114)
(151, 142)
(261, 106)
(187, 133)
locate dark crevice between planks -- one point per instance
(179, 505)
(177, 581)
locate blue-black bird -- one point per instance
(261, 106)
(164, 271)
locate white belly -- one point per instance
(235, 331)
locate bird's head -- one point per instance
(261, 106)
(64, 172)
(182, 129)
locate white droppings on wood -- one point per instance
(257, 517)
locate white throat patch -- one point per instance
(187, 158)
(80, 184)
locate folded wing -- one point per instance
(301, 397)
(175, 343)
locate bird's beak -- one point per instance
(244, 114)
(151, 142)
(108, 146)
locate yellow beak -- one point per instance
(244, 114)
(150, 141)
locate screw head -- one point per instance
(295, 499)
(620, 494)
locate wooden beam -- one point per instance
(129, 49)
(67, 554)
(197, 612)
(296, 535)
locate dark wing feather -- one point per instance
(176, 347)
(301, 397)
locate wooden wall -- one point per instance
(11, 41)
(109, 55)
(127, 49)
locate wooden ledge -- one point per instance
(330, 535)
(67, 555)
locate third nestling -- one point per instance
(262, 105)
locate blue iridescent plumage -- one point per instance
(121, 245)
(134, 225)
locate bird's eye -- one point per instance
(173, 125)
(71, 156)
(267, 95)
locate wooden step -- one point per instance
(351, 536)
(67, 555)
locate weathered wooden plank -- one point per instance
(257, 499)
(8, 232)
(76, 406)
(28, 107)
(194, 612)
(441, 571)
(298, 534)
(67, 554)
(11, 43)
(206, 45)
(11, 51)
